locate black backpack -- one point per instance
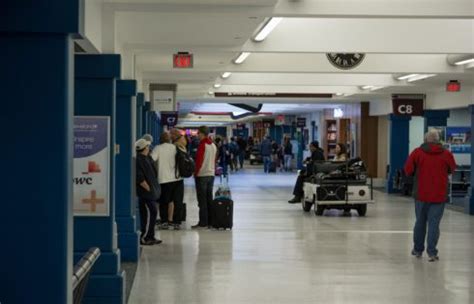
(184, 164)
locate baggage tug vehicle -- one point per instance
(338, 185)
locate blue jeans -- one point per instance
(288, 158)
(267, 160)
(431, 214)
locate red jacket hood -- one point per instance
(206, 141)
(432, 148)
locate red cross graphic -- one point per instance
(93, 200)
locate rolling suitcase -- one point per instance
(222, 207)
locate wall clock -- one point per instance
(345, 61)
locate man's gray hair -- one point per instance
(432, 136)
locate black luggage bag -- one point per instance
(222, 213)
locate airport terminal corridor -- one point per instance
(276, 253)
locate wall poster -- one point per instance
(91, 171)
(459, 139)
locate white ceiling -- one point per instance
(398, 36)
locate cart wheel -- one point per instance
(307, 206)
(362, 209)
(319, 210)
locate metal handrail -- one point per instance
(81, 273)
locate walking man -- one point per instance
(204, 176)
(148, 192)
(266, 152)
(430, 164)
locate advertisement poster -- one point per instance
(91, 166)
(459, 139)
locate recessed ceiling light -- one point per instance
(367, 87)
(267, 29)
(226, 75)
(420, 77)
(348, 94)
(462, 62)
(406, 76)
(241, 58)
(339, 94)
(210, 93)
(217, 85)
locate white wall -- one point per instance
(93, 22)
(440, 99)
(417, 130)
(459, 118)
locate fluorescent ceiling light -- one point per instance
(226, 75)
(242, 57)
(217, 85)
(420, 77)
(464, 61)
(210, 93)
(267, 29)
(376, 88)
(339, 94)
(348, 94)
(406, 76)
(367, 87)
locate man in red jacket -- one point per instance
(204, 176)
(431, 165)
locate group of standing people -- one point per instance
(159, 179)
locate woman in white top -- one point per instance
(340, 153)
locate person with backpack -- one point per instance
(266, 152)
(184, 169)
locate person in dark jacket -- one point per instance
(317, 154)
(148, 192)
(431, 165)
(242, 148)
(287, 153)
(266, 152)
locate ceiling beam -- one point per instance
(404, 36)
(376, 9)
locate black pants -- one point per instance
(298, 190)
(204, 188)
(172, 192)
(147, 219)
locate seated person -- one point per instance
(341, 153)
(317, 154)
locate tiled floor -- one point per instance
(276, 253)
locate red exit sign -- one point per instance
(183, 60)
(453, 86)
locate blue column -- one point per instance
(36, 81)
(95, 96)
(146, 118)
(436, 118)
(399, 146)
(125, 212)
(470, 201)
(139, 112)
